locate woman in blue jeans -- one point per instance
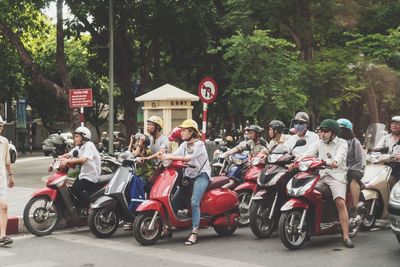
(192, 151)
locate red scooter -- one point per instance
(55, 201)
(219, 207)
(309, 212)
(247, 189)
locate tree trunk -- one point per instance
(33, 69)
(307, 49)
(372, 105)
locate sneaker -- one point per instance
(353, 212)
(347, 243)
(128, 227)
(5, 240)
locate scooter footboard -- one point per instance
(151, 205)
(52, 193)
(294, 204)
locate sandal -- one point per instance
(191, 242)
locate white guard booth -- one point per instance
(172, 104)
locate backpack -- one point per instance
(136, 192)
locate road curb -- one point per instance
(15, 225)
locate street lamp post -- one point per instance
(111, 81)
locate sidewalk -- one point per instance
(17, 199)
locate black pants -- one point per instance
(82, 188)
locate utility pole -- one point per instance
(111, 81)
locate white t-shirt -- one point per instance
(198, 157)
(311, 140)
(92, 167)
(387, 141)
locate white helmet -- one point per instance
(395, 119)
(84, 131)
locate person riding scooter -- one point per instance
(355, 162)
(333, 150)
(391, 143)
(301, 124)
(89, 157)
(254, 145)
(192, 151)
(275, 131)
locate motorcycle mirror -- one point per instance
(299, 142)
(75, 153)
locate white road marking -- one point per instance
(165, 254)
(5, 253)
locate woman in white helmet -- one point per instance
(89, 157)
(193, 151)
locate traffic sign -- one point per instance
(79, 98)
(207, 90)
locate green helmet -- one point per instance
(331, 125)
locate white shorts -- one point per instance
(337, 188)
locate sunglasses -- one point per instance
(299, 122)
(324, 130)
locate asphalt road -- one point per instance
(29, 171)
(78, 247)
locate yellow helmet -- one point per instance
(190, 124)
(157, 120)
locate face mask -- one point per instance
(300, 127)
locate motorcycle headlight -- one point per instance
(304, 165)
(395, 194)
(272, 158)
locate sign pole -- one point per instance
(81, 116)
(204, 130)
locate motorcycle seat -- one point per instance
(105, 178)
(217, 182)
(326, 192)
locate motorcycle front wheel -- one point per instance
(290, 236)
(41, 216)
(244, 207)
(260, 223)
(143, 234)
(103, 222)
(369, 219)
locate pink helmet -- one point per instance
(175, 135)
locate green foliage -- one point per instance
(263, 76)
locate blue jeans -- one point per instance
(199, 187)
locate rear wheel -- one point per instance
(369, 219)
(103, 222)
(141, 228)
(260, 223)
(290, 236)
(41, 216)
(244, 207)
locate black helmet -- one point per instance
(277, 125)
(256, 128)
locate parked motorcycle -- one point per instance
(55, 201)
(107, 211)
(309, 212)
(271, 193)
(247, 189)
(219, 207)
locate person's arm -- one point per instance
(237, 149)
(340, 156)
